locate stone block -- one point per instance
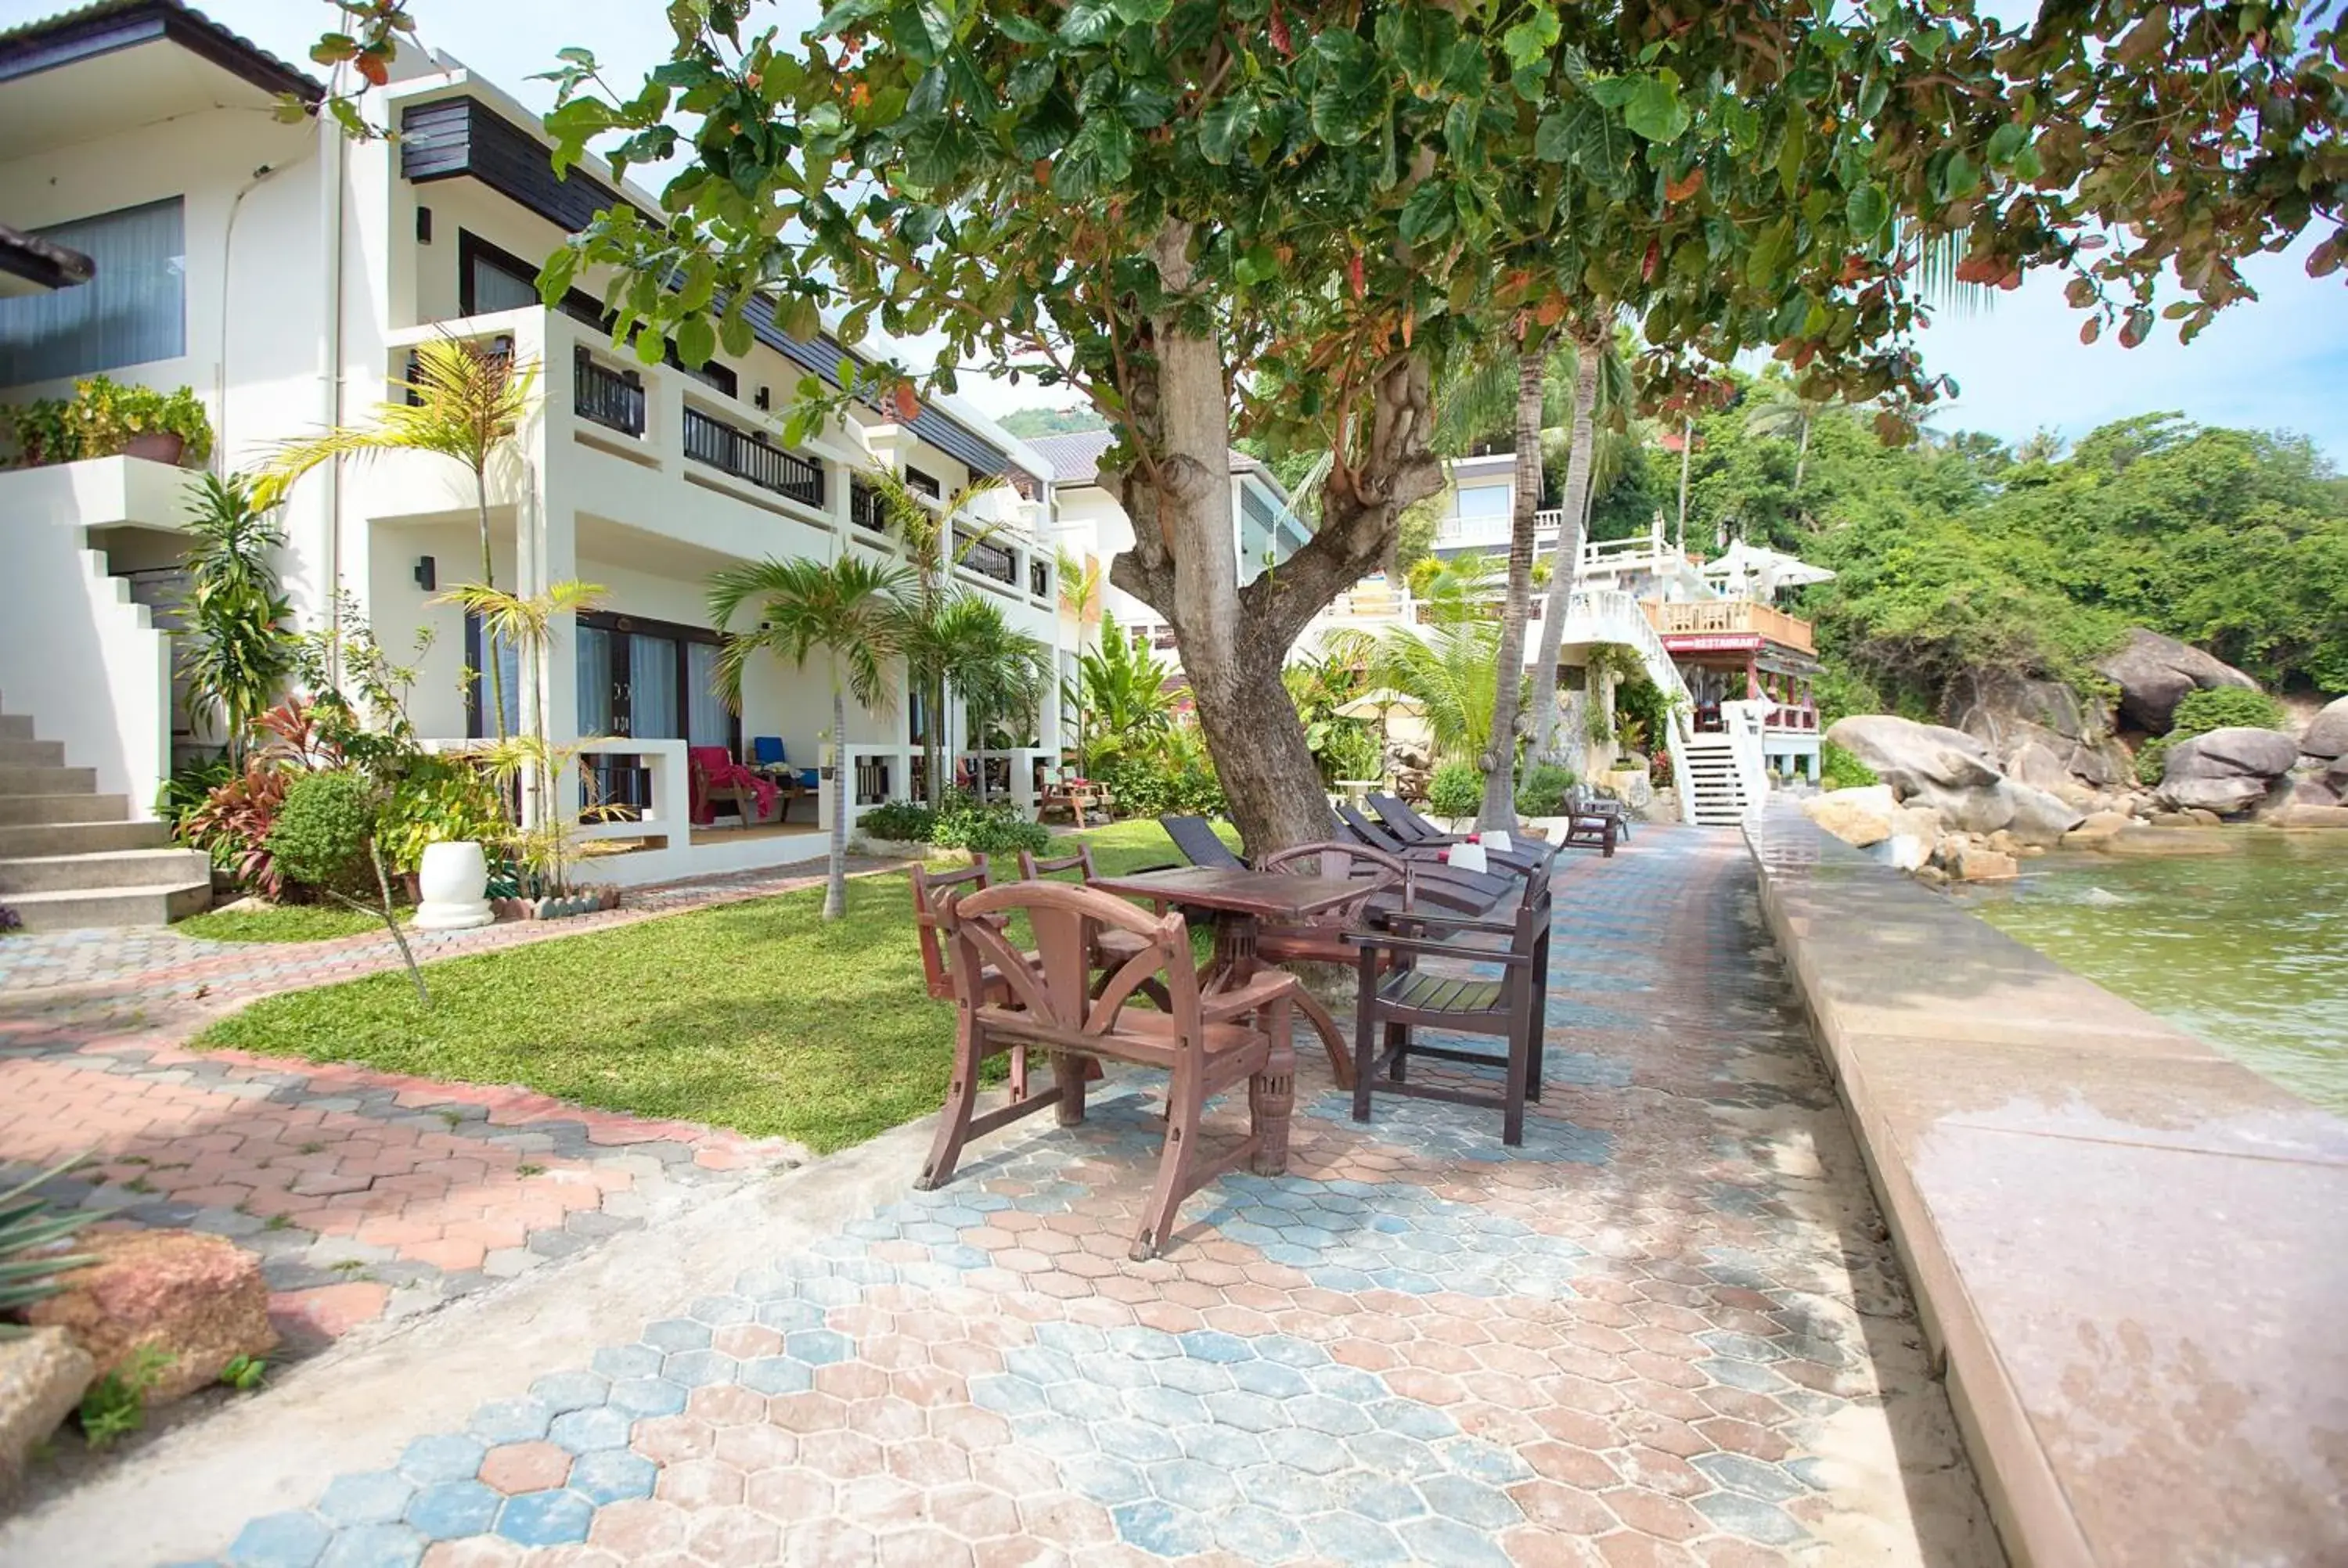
(199, 1299)
(1984, 865)
(42, 1376)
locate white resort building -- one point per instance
(287, 274)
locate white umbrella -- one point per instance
(1378, 703)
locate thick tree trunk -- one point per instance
(1548, 738)
(1185, 561)
(1687, 452)
(1500, 759)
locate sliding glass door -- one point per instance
(653, 680)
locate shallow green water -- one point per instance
(2247, 949)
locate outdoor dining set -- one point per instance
(1444, 933)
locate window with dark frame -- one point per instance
(490, 279)
(133, 311)
(924, 483)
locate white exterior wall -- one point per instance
(576, 499)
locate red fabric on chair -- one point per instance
(714, 767)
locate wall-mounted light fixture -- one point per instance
(766, 397)
(424, 225)
(427, 574)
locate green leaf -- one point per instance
(733, 330)
(1190, 25)
(1428, 214)
(1868, 209)
(847, 14)
(1553, 139)
(1088, 22)
(696, 340)
(1258, 264)
(936, 152)
(2005, 142)
(554, 278)
(854, 325)
(1101, 155)
(1532, 38)
(1654, 110)
(1141, 13)
(1020, 29)
(1226, 127)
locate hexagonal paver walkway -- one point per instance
(368, 1195)
(1667, 1330)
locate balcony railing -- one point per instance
(1039, 577)
(864, 508)
(988, 559)
(752, 457)
(1728, 617)
(612, 398)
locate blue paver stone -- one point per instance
(281, 1540)
(611, 1477)
(377, 1497)
(545, 1519)
(452, 1509)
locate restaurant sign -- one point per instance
(1732, 642)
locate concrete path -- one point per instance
(1668, 1329)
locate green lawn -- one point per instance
(755, 1016)
(281, 923)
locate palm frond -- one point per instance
(461, 402)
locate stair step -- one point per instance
(159, 904)
(107, 868)
(15, 726)
(41, 839)
(31, 753)
(44, 810)
(42, 780)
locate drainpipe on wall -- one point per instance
(260, 176)
(334, 165)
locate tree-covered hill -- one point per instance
(1959, 554)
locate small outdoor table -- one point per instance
(1242, 901)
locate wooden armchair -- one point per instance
(1113, 949)
(1389, 887)
(1048, 1001)
(1397, 995)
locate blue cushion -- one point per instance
(766, 751)
(809, 778)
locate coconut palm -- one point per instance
(237, 651)
(996, 672)
(528, 625)
(1602, 384)
(463, 400)
(936, 536)
(1781, 412)
(851, 612)
(1453, 672)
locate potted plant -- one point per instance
(105, 418)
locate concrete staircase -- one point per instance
(70, 856)
(1719, 784)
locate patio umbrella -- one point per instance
(1377, 704)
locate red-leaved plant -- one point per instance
(232, 823)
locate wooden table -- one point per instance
(1242, 901)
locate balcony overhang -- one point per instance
(106, 69)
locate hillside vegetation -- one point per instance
(1959, 554)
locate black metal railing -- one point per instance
(864, 508)
(614, 788)
(988, 559)
(871, 780)
(751, 458)
(612, 398)
(1039, 577)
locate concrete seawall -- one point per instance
(2130, 1252)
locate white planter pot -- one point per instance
(453, 884)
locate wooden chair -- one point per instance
(1533, 859)
(1206, 1044)
(931, 890)
(1389, 887)
(1587, 810)
(1396, 995)
(1115, 948)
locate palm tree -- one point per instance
(464, 400)
(238, 651)
(1786, 413)
(1454, 672)
(937, 536)
(852, 611)
(528, 625)
(1602, 384)
(994, 670)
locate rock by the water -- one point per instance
(2099, 829)
(2311, 816)
(42, 1376)
(2327, 737)
(2325, 785)
(2154, 673)
(1859, 817)
(1979, 864)
(1954, 774)
(199, 1299)
(2042, 732)
(2225, 771)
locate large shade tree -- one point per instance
(1141, 198)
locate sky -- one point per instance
(2278, 362)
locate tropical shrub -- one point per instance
(323, 833)
(1839, 768)
(1349, 748)
(994, 828)
(441, 800)
(235, 648)
(899, 821)
(233, 822)
(101, 417)
(2222, 708)
(1122, 697)
(1541, 791)
(1456, 790)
